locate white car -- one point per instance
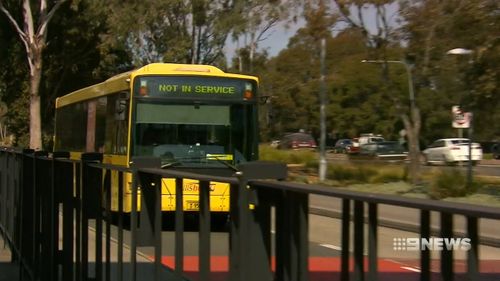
(452, 151)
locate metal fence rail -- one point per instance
(44, 200)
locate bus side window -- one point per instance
(116, 124)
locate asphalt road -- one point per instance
(410, 218)
(324, 251)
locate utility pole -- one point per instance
(322, 114)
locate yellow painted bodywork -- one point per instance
(219, 192)
(219, 195)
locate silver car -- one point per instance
(451, 151)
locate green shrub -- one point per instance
(450, 183)
(390, 173)
(386, 177)
(350, 173)
(307, 157)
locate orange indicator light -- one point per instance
(248, 95)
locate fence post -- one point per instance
(39, 186)
(63, 173)
(251, 230)
(146, 232)
(91, 187)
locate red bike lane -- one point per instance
(328, 268)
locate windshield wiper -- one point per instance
(171, 164)
(177, 162)
(225, 163)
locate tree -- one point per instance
(33, 36)
(293, 81)
(379, 42)
(432, 28)
(262, 16)
(176, 31)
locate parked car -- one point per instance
(275, 143)
(297, 140)
(382, 150)
(343, 146)
(354, 147)
(451, 151)
(495, 150)
(369, 138)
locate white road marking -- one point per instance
(333, 247)
(411, 268)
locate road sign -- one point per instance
(461, 119)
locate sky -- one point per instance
(277, 37)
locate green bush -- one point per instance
(390, 174)
(450, 183)
(350, 173)
(307, 157)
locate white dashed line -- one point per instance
(333, 247)
(411, 268)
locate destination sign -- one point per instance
(175, 86)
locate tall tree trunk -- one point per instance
(35, 113)
(412, 127)
(34, 37)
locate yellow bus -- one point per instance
(194, 117)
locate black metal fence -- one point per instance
(48, 202)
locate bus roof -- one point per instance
(121, 82)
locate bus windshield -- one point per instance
(192, 135)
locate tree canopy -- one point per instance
(88, 42)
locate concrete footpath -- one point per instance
(10, 271)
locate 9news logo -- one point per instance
(433, 243)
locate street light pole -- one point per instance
(408, 69)
(322, 111)
(462, 52)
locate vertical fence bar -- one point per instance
(234, 235)
(301, 232)
(66, 170)
(120, 226)
(97, 215)
(179, 227)
(260, 225)
(204, 233)
(91, 198)
(346, 223)
(107, 192)
(49, 236)
(77, 194)
(56, 200)
(39, 186)
(425, 258)
(134, 227)
(473, 253)
(446, 255)
(292, 236)
(372, 242)
(157, 226)
(243, 205)
(27, 202)
(359, 223)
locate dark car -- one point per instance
(343, 146)
(495, 150)
(385, 151)
(297, 140)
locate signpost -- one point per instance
(463, 120)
